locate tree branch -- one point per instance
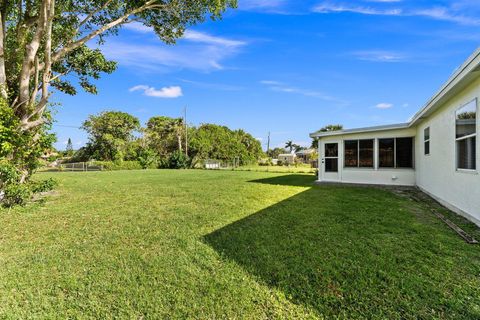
(91, 14)
(74, 45)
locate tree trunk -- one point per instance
(3, 75)
(179, 138)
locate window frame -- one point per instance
(337, 157)
(473, 135)
(427, 141)
(395, 166)
(358, 154)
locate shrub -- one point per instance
(178, 160)
(12, 192)
(16, 194)
(44, 185)
(147, 159)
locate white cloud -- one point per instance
(444, 14)
(384, 105)
(165, 92)
(379, 56)
(332, 8)
(202, 37)
(450, 14)
(282, 87)
(138, 27)
(196, 50)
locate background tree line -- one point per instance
(118, 136)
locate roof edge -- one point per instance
(319, 134)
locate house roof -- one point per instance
(319, 134)
(462, 77)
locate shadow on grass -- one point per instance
(297, 180)
(354, 253)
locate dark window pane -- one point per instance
(466, 153)
(331, 165)
(404, 152)
(386, 153)
(427, 147)
(351, 153)
(427, 133)
(466, 120)
(366, 153)
(331, 150)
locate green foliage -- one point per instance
(164, 135)
(211, 141)
(22, 148)
(467, 115)
(147, 158)
(69, 149)
(274, 153)
(44, 185)
(110, 132)
(16, 194)
(178, 160)
(289, 145)
(12, 192)
(327, 128)
(112, 139)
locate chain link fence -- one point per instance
(75, 167)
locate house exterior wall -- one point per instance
(374, 175)
(436, 173)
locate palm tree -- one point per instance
(290, 145)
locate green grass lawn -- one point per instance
(222, 244)
(299, 168)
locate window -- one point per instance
(365, 154)
(358, 153)
(466, 136)
(331, 157)
(395, 153)
(426, 141)
(404, 153)
(386, 153)
(351, 154)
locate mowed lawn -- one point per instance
(237, 245)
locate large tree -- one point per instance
(164, 135)
(110, 133)
(211, 141)
(43, 44)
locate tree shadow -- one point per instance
(351, 253)
(297, 180)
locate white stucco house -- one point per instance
(436, 151)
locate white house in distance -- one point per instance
(436, 151)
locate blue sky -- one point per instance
(284, 66)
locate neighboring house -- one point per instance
(288, 158)
(305, 155)
(436, 151)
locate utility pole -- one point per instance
(186, 130)
(268, 143)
